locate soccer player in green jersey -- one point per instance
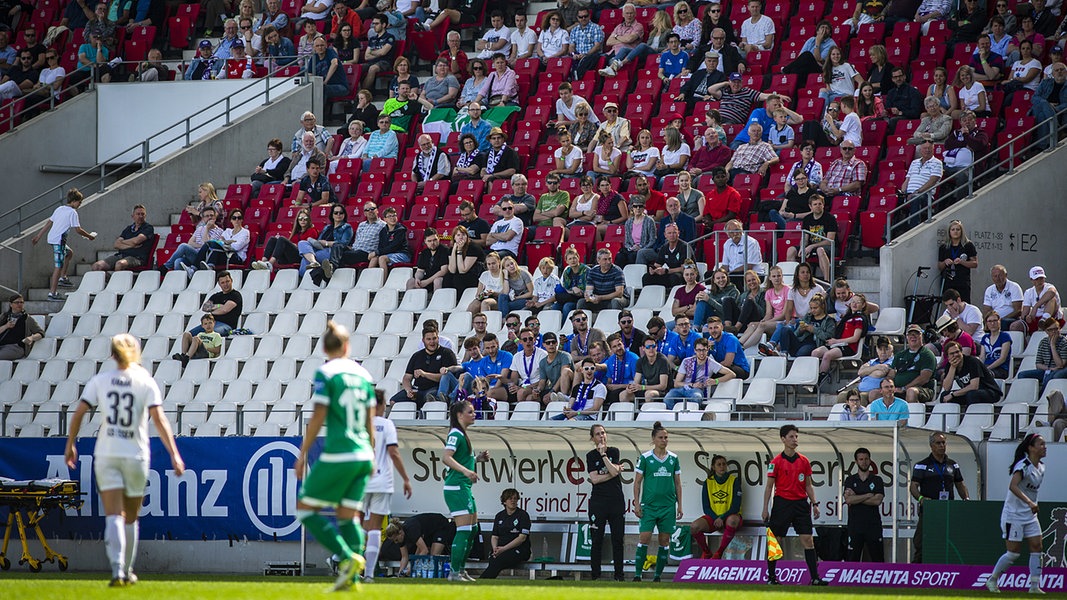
(344, 400)
(657, 499)
(459, 477)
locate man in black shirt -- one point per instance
(477, 227)
(432, 264)
(666, 270)
(976, 383)
(424, 370)
(315, 188)
(864, 492)
(225, 305)
(20, 77)
(133, 245)
(820, 232)
(510, 542)
(607, 505)
(501, 161)
(524, 202)
(935, 477)
(903, 101)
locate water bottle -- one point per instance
(446, 569)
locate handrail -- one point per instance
(774, 246)
(144, 149)
(4, 246)
(940, 194)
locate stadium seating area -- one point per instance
(261, 385)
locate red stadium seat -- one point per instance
(872, 229)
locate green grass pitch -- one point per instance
(48, 586)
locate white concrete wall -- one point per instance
(1017, 221)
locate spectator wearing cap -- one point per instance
(735, 100)
(477, 127)
(696, 87)
(1039, 302)
(1055, 55)
(206, 65)
(239, 65)
(616, 126)
(913, 368)
(501, 161)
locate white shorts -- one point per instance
(119, 473)
(378, 503)
(1017, 531)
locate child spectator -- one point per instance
(205, 344)
(63, 219)
(781, 135)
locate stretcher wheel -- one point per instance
(5, 564)
(63, 563)
(35, 566)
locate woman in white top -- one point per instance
(1025, 72)
(554, 40)
(605, 157)
(1018, 518)
(568, 157)
(544, 285)
(352, 147)
(126, 397)
(584, 205)
(234, 240)
(972, 93)
(643, 157)
(800, 293)
(841, 77)
(675, 153)
(490, 285)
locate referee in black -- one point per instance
(864, 492)
(936, 477)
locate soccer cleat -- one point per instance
(117, 582)
(327, 269)
(455, 576)
(131, 578)
(772, 580)
(466, 576)
(347, 571)
(1036, 590)
(637, 579)
(991, 585)
(767, 349)
(655, 579)
(819, 582)
(1035, 582)
(332, 562)
(64, 282)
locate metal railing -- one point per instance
(981, 172)
(34, 208)
(18, 283)
(721, 236)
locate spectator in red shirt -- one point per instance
(710, 155)
(341, 13)
(722, 202)
(456, 57)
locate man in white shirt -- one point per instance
(525, 373)
(966, 314)
(523, 40)
(923, 174)
(567, 102)
(506, 234)
(757, 32)
(1004, 296)
(741, 253)
(495, 39)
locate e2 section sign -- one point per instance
(232, 488)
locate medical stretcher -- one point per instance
(36, 498)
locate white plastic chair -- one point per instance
(761, 394)
(371, 323)
(621, 411)
(527, 410)
(891, 321)
(916, 414)
(146, 282)
(402, 411)
(314, 323)
(1022, 390)
(435, 410)
(414, 300)
(944, 417)
(443, 300)
(385, 301)
(343, 279)
(552, 409)
(1014, 418)
(976, 421)
(159, 303)
(327, 301)
(371, 279)
(398, 278)
(652, 297)
(837, 412)
(655, 411)
(804, 372)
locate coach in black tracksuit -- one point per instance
(607, 505)
(864, 492)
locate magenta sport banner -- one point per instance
(854, 574)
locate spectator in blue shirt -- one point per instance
(494, 362)
(621, 368)
(667, 342)
(673, 60)
(462, 375)
(726, 349)
(477, 127)
(687, 338)
(888, 407)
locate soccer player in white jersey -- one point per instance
(126, 396)
(378, 497)
(1018, 520)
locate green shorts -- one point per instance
(662, 518)
(460, 501)
(337, 484)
